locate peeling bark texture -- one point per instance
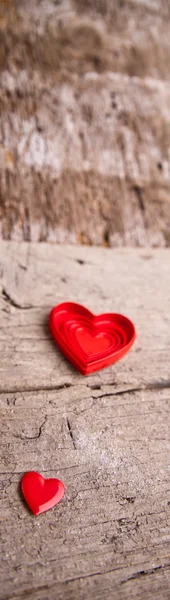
(85, 121)
(106, 436)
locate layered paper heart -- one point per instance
(90, 342)
(39, 493)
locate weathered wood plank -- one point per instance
(109, 538)
(85, 127)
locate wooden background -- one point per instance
(85, 121)
(85, 159)
(106, 435)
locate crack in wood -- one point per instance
(138, 192)
(120, 393)
(94, 386)
(80, 261)
(71, 433)
(90, 575)
(35, 437)
(136, 575)
(11, 401)
(13, 302)
(145, 572)
(45, 388)
(23, 267)
(157, 385)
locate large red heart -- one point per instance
(41, 494)
(90, 342)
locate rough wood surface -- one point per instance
(85, 121)
(106, 436)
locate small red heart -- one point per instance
(90, 342)
(39, 493)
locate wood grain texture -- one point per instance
(106, 436)
(85, 125)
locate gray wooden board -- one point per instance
(106, 436)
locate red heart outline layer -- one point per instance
(41, 494)
(73, 326)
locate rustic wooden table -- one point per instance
(106, 436)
